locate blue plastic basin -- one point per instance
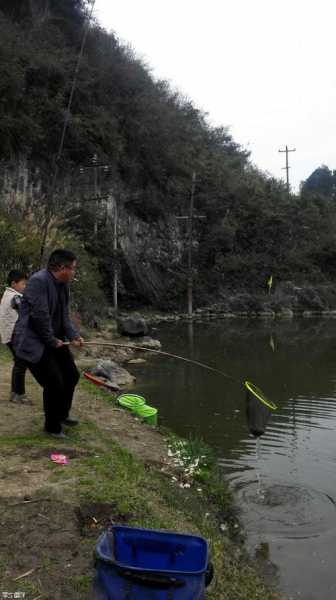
(148, 564)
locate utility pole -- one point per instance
(95, 186)
(190, 244)
(115, 248)
(287, 166)
(112, 215)
(191, 218)
(97, 197)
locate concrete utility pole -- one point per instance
(96, 193)
(112, 215)
(115, 247)
(97, 197)
(287, 166)
(191, 218)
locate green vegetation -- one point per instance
(147, 140)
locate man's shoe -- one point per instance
(70, 422)
(19, 398)
(59, 436)
(23, 399)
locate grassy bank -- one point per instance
(119, 471)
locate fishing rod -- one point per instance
(248, 385)
(189, 360)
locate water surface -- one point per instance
(287, 487)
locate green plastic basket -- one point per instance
(147, 414)
(131, 401)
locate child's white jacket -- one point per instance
(8, 315)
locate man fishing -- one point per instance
(40, 336)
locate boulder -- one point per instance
(113, 372)
(147, 342)
(134, 326)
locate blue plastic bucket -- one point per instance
(148, 564)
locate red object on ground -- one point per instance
(97, 380)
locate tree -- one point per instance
(321, 181)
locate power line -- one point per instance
(64, 130)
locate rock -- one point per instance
(329, 313)
(147, 342)
(113, 373)
(136, 361)
(309, 299)
(134, 326)
(150, 343)
(286, 288)
(285, 313)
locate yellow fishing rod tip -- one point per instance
(260, 395)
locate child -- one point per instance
(9, 307)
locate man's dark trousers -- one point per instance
(57, 373)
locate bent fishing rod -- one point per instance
(257, 392)
(132, 347)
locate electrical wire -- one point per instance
(64, 130)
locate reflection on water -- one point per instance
(286, 487)
(260, 493)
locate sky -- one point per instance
(263, 68)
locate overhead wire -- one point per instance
(86, 28)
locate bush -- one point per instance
(20, 249)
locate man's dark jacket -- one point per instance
(43, 317)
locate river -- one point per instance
(286, 489)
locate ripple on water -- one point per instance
(287, 511)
